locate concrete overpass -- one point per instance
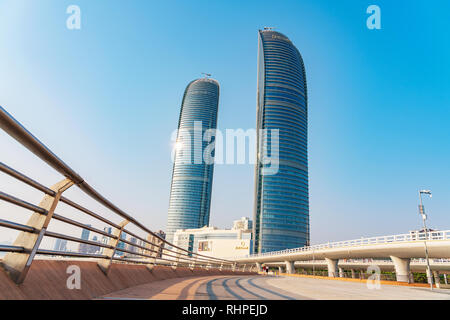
(400, 249)
(357, 268)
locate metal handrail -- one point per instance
(407, 237)
(7, 248)
(29, 206)
(23, 136)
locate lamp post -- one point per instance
(424, 217)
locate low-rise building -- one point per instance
(215, 242)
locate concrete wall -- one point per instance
(47, 279)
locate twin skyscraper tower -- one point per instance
(281, 200)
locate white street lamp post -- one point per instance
(424, 217)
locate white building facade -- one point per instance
(218, 243)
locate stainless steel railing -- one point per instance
(153, 249)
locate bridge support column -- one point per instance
(341, 273)
(332, 265)
(437, 280)
(290, 268)
(445, 278)
(402, 269)
(353, 273)
(429, 277)
(258, 267)
(280, 269)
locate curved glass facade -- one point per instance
(190, 193)
(281, 216)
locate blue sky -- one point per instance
(106, 99)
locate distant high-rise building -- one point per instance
(83, 247)
(94, 249)
(162, 235)
(281, 213)
(85, 233)
(88, 248)
(121, 244)
(242, 224)
(60, 245)
(105, 239)
(192, 177)
(130, 247)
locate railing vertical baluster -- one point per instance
(105, 264)
(194, 262)
(177, 259)
(152, 251)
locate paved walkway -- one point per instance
(325, 289)
(269, 288)
(206, 288)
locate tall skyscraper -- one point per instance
(190, 194)
(281, 212)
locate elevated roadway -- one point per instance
(400, 249)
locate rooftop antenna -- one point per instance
(269, 28)
(207, 75)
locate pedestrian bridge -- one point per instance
(400, 249)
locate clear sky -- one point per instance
(106, 99)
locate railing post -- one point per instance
(105, 264)
(159, 248)
(16, 264)
(177, 261)
(194, 262)
(152, 251)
